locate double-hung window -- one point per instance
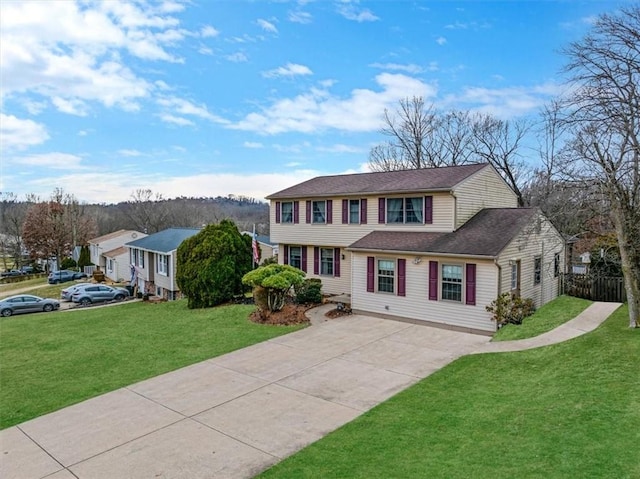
(295, 256)
(110, 265)
(326, 261)
(354, 212)
(405, 210)
(537, 270)
(287, 212)
(319, 209)
(514, 276)
(386, 275)
(141, 258)
(163, 264)
(452, 282)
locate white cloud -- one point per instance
(127, 152)
(293, 164)
(253, 144)
(78, 57)
(340, 148)
(175, 120)
(208, 32)
(266, 25)
(504, 102)
(409, 68)
(299, 16)
(441, 40)
(289, 70)
(72, 106)
(237, 57)
(351, 11)
(19, 134)
(319, 110)
(184, 107)
(203, 50)
(54, 160)
(35, 107)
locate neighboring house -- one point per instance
(267, 248)
(108, 252)
(434, 245)
(154, 259)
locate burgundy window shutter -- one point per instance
(345, 212)
(428, 209)
(470, 290)
(303, 258)
(316, 260)
(402, 274)
(329, 212)
(285, 259)
(363, 211)
(336, 262)
(370, 273)
(296, 212)
(381, 210)
(277, 212)
(308, 208)
(433, 280)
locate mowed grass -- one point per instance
(565, 411)
(51, 360)
(548, 317)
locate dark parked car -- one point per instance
(27, 303)
(65, 275)
(13, 272)
(96, 293)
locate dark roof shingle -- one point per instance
(426, 179)
(486, 234)
(164, 241)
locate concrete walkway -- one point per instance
(236, 415)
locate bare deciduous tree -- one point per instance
(603, 114)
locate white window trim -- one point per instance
(332, 261)
(514, 276)
(290, 256)
(537, 273)
(282, 220)
(162, 264)
(359, 212)
(403, 210)
(394, 277)
(324, 214)
(462, 283)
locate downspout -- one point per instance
(495, 261)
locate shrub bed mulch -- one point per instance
(289, 315)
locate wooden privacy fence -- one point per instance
(595, 288)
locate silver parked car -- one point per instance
(66, 293)
(27, 303)
(97, 293)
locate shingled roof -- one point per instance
(486, 234)
(164, 241)
(425, 179)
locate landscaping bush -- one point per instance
(277, 280)
(309, 292)
(510, 309)
(68, 263)
(211, 264)
(85, 258)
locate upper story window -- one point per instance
(405, 210)
(162, 264)
(354, 211)
(319, 209)
(287, 211)
(141, 258)
(452, 282)
(556, 265)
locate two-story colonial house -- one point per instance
(435, 245)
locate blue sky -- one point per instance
(208, 98)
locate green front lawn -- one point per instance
(564, 411)
(52, 360)
(548, 317)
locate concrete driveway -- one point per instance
(235, 415)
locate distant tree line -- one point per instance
(50, 228)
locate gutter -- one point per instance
(359, 194)
(422, 253)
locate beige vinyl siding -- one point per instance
(330, 284)
(484, 189)
(416, 304)
(161, 280)
(545, 242)
(344, 234)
